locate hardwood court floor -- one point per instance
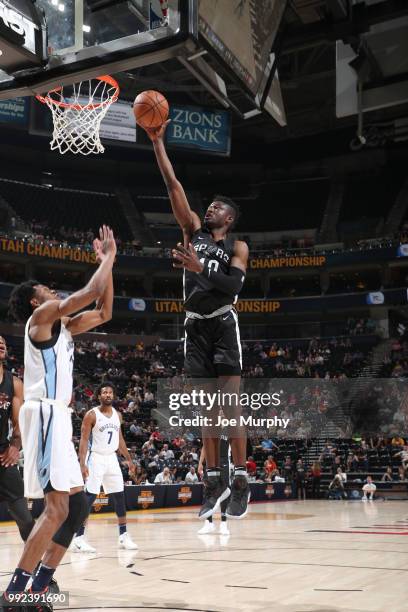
(313, 556)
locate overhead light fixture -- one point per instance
(61, 7)
(86, 28)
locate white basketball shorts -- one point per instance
(50, 460)
(104, 470)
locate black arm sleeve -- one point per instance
(231, 283)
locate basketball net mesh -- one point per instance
(77, 115)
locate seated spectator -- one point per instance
(369, 488)
(341, 474)
(403, 454)
(148, 396)
(387, 477)
(178, 442)
(164, 477)
(276, 477)
(167, 452)
(194, 454)
(191, 476)
(337, 463)
(352, 462)
(402, 476)
(136, 430)
(327, 452)
(267, 445)
(270, 465)
(140, 477)
(397, 441)
(336, 489)
(189, 436)
(156, 435)
(266, 474)
(251, 466)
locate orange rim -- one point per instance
(105, 78)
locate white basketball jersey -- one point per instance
(104, 437)
(48, 366)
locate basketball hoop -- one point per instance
(77, 114)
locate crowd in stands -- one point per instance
(395, 364)
(41, 231)
(337, 358)
(164, 456)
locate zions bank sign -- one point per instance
(202, 129)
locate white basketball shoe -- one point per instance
(126, 542)
(79, 544)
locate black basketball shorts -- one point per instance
(212, 347)
(11, 484)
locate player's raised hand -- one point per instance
(156, 134)
(186, 258)
(105, 245)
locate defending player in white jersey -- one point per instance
(101, 438)
(51, 468)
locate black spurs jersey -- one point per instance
(6, 399)
(199, 294)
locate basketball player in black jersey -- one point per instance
(214, 273)
(11, 482)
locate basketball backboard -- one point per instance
(225, 45)
(87, 38)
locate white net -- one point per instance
(78, 112)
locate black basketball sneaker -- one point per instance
(215, 492)
(53, 586)
(240, 495)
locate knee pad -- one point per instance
(78, 512)
(21, 514)
(119, 503)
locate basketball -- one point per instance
(151, 109)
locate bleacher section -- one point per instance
(64, 207)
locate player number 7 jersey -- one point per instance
(104, 437)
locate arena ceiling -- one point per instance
(306, 49)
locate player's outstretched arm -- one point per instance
(89, 319)
(187, 219)
(50, 311)
(12, 454)
(88, 422)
